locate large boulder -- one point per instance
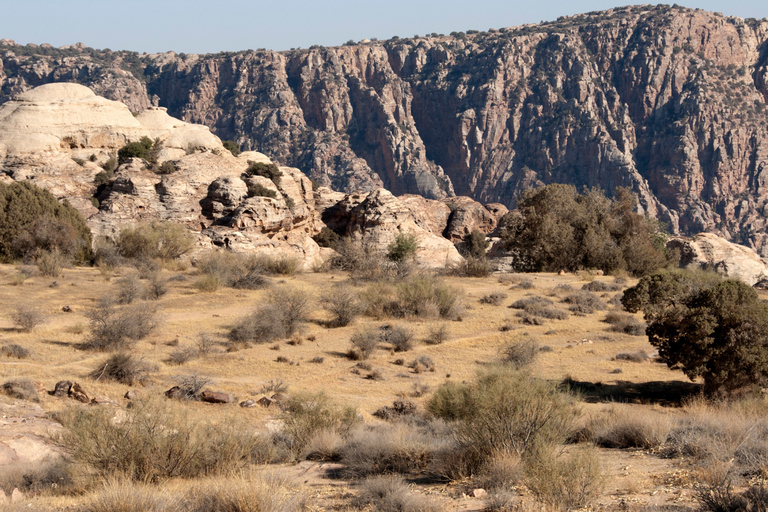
(707, 250)
(380, 216)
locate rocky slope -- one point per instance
(666, 100)
(60, 135)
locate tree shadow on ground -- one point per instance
(668, 393)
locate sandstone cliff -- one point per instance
(665, 100)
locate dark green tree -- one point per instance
(706, 327)
(555, 227)
(32, 219)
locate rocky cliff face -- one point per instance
(667, 101)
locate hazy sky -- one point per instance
(195, 26)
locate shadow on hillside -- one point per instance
(667, 393)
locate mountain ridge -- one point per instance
(667, 101)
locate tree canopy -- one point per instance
(556, 228)
(705, 326)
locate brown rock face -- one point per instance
(665, 100)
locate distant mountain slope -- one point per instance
(666, 100)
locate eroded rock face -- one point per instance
(665, 100)
(710, 251)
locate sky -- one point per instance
(196, 26)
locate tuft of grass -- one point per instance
(181, 355)
(392, 494)
(244, 493)
(567, 481)
(308, 414)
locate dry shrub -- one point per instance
(625, 323)
(133, 448)
(281, 265)
(344, 303)
(50, 263)
(626, 428)
(470, 266)
(181, 355)
(398, 409)
(161, 240)
(363, 261)
(729, 431)
(567, 481)
(204, 343)
(324, 445)
(129, 289)
(532, 301)
(422, 364)
(156, 287)
(27, 317)
(285, 309)
(601, 286)
(364, 341)
(424, 296)
(307, 414)
(503, 411)
(122, 496)
(52, 475)
(494, 299)
(501, 471)
(191, 386)
(244, 493)
(23, 389)
(16, 351)
(400, 337)
(636, 357)
(584, 302)
(117, 327)
(223, 268)
(392, 494)
(397, 447)
(437, 334)
(521, 353)
(124, 368)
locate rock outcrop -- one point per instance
(206, 188)
(668, 101)
(709, 251)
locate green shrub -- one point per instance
(326, 237)
(259, 190)
(231, 146)
(719, 333)
(475, 244)
(162, 240)
(32, 221)
(270, 171)
(403, 247)
(504, 411)
(167, 167)
(139, 149)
